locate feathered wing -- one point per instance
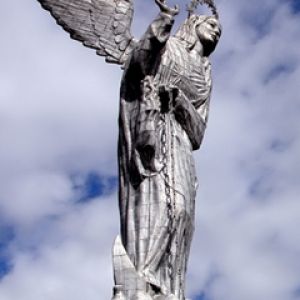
(103, 25)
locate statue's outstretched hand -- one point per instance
(173, 11)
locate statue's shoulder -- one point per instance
(176, 53)
(174, 41)
(175, 47)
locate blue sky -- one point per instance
(58, 197)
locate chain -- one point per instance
(170, 205)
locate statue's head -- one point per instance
(209, 32)
(206, 29)
(203, 28)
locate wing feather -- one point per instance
(103, 25)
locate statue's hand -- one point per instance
(166, 9)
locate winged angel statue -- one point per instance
(164, 102)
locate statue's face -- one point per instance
(209, 31)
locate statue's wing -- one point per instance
(103, 25)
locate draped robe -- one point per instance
(163, 112)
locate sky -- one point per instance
(58, 157)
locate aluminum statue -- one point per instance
(164, 104)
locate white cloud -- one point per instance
(72, 261)
(58, 116)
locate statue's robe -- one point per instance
(157, 172)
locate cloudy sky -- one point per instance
(58, 133)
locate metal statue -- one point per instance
(164, 104)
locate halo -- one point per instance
(191, 8)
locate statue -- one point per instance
(164, 104)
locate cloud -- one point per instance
(72, 261)
(58, 128)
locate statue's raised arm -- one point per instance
(103, 25)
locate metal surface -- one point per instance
(165, 95)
